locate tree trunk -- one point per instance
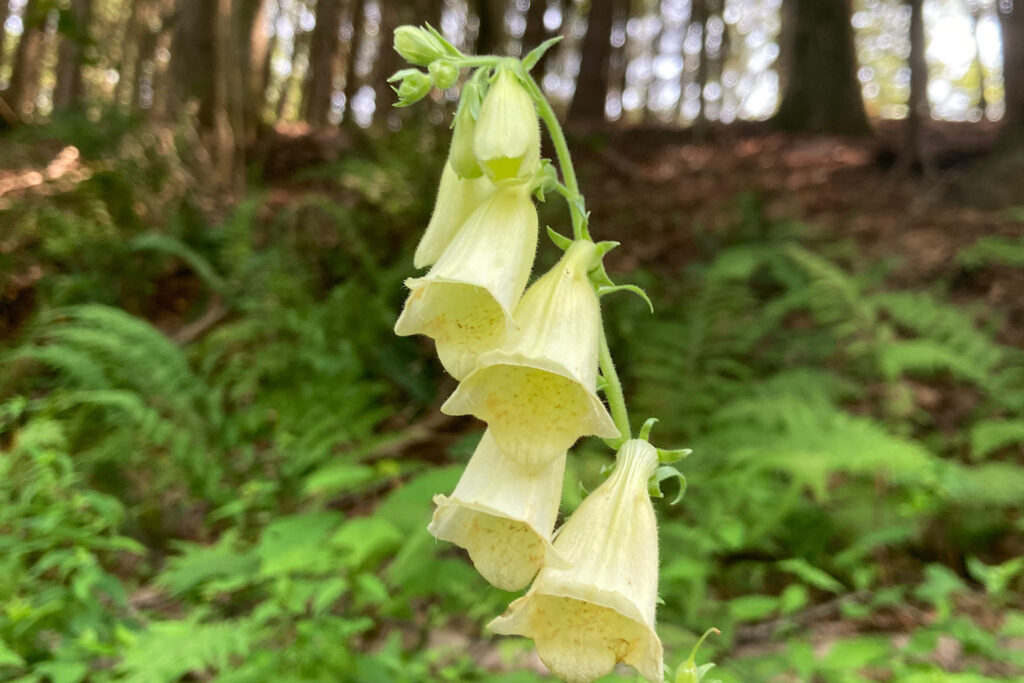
(388, 62)
(228, 87)
(68, 91)
(323, 53)
(823, 95)
(160, 75)
(5, 11)
(300, 50)
(536, 34)
(193, 58)
(358, 21)
(130, 68)
(982, 97)
(490, 37)
(918, 110)
(261, 52)
(24, 85)
(588, 101)
(1012, 24)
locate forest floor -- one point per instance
(648, 188)
(659, 184)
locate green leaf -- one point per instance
(661, 474)
(855, 653)
(605, 289)
(811, 574)
(989, 436)
(534, 56)
(340, 477)
(9, 657)
(753, 607)
(366, 538)
(560, 240)
(298, 544)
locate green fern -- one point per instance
(989, 436)
(167, 650)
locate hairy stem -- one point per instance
(613, 389)
(575, 201)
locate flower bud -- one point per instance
(443, 73)
(457, 199)
(507, 139)
(537, 391)
(414, 86)
(465, 301)
(417, 46)
(503, 516)
(600, 611)
(460, 153)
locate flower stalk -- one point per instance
(530, 362)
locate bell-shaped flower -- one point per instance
(465, 301)
(537, 392)
(503, 516)
(457, 199)
(507, 137)
(460, 151)
(600, 611)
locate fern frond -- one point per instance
(989, 436)
(167, 650)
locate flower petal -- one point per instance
(503, 516)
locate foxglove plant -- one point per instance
(531, 365)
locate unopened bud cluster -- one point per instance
(527, 361)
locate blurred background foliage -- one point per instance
(217, 461)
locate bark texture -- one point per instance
(822, 93)
(592, 84)
(68, 92)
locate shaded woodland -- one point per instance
(217, 460)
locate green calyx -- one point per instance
(413, 86)
(688, 671)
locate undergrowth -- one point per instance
(214, 468)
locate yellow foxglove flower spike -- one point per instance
(507, 137)
(465, 301)
(457, 199)
(537, 392)
(503, 516)
(599, 612)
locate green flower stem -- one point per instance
(573, 196)
(613, 390)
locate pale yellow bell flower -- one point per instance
(503, 516)
(586, 619)
(507, 136)
(465, 301)
(537, 391)
(457, 199)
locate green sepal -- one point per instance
(560, 240)
(645, 430)
(609, 289)
(605, 246)
(688, 671)
(402, 73)
(545, 179)
(602, 383)
(668, 456)
(530, 60)
(449, 48)
(661, 474)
